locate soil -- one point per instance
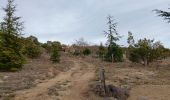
(75, 80)
(34, 72)
(150, 92)
(144, 83)
(71, 79)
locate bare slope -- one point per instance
(76, 84)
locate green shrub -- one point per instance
(101, 51)
(10, 52)
(55, 56)
(146, 51)
(86, 52)
(32, 50)
(134, 55)
(10, 59)
(50, 45)
(114, 51)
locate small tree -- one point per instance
(56, 44)
(146, 51)
(55, 47)
(55, 56)
(131, 49)
(49, 46)
(79, 46)
(81, 42)
(101, 51)
(114, 52)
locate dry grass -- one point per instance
(125, 75)
(34, 72)
(130, 75)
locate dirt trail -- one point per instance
(77, 78)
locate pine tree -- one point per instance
(11, 28)
(164, 14)
(114, 52)
(11, 24)
(55, 56)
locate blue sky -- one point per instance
(68, 20)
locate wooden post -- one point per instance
(103, 83)
(112, 58)
(103, 57)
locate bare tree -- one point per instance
(130, 39)
(81, 42)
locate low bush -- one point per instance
(32, 50)
(86, 52)
(115, 53)
(55, 56)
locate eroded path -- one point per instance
(75, 83)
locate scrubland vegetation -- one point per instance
(30, 63)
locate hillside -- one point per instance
(72, 79)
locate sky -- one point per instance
(69, 20)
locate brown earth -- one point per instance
(150, 92)
(77, 79)
(71, 79)
(35, 71)
(151, 83)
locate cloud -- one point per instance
(65, 21)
